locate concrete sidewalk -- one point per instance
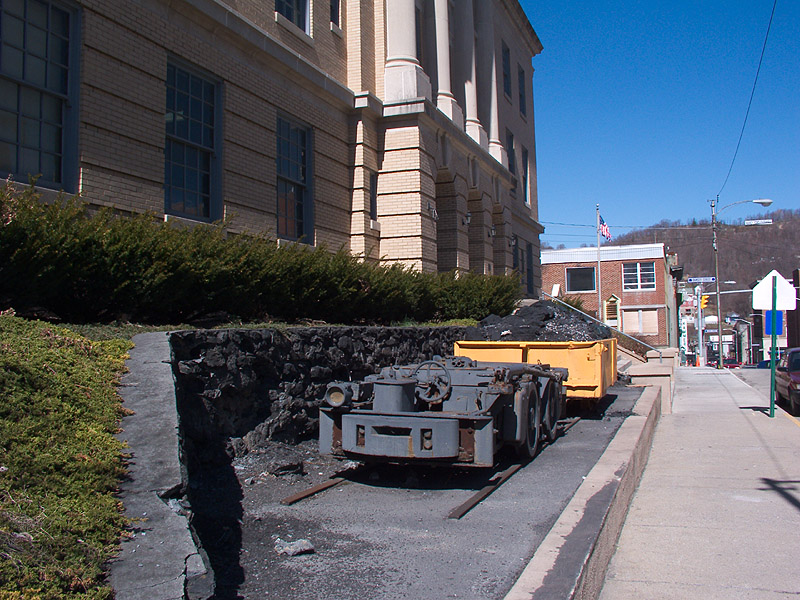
(717, 512)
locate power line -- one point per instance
(752, 93)
(648, 227)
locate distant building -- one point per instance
(636, 283)
(401, 130)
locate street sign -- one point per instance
(758, 222)
(786, 295)
(778, 322)
(701, 279)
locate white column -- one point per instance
(445, 100)
(404, 78)
(466, 38)
(487, 71)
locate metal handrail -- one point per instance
(596, 320)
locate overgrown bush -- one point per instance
(56, 258)
(59, 463)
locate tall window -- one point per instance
(522, 90)
(373, 195)
(294, 10)
(529, 278)
(294, 202)
(525, 174)
(36, 106)
(506, 70)
(580, 279)
(189, 151)
(335, 12)
(639, 276)
(511, 151)
(515, 254)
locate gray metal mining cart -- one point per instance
(454, 410)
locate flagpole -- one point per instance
(599, 290)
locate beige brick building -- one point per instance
(402, 130)
(637, 284)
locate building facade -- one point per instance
(636, 285)
(401, 130)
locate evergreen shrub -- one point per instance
(82, 266)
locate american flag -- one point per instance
(604, 231)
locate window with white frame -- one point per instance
(612, 310)
(580, 279)
(190, 161)
(295, 11)
(37, 92)
(640, 321)
(294, 209)
(639, 276)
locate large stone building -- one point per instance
(401, 130)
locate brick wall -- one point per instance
(125, 49)
(611, 283)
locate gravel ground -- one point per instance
(385, 534)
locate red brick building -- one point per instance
(635, 283)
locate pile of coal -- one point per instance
(544, 321)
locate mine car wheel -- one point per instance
(551, 407)
(533, 413)
(436, 386)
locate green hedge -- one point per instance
(60, 520)
(99, 267)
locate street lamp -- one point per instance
(714, 212)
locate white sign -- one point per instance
(701, 279)
(785, 293)
(758, 222)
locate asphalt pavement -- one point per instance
(374, 540)
(717, 511)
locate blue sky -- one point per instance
(639, 107)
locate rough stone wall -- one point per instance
(241, 387)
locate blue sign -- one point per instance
(768, 322)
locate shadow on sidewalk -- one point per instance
(784, 489)
(764, 410)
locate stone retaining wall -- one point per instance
(240, 387)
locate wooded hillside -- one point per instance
(746, 252)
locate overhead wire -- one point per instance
(752, 94)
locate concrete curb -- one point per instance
(571, 561)
(159, 561)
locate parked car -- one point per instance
(763, 364)
(787, 379)
(731, 363)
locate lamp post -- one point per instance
(714, 212)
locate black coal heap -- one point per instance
(543, 321)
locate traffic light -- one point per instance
(703, 300)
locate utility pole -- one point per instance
(701, 349)
(716, 275)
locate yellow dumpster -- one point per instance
(592, 365)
